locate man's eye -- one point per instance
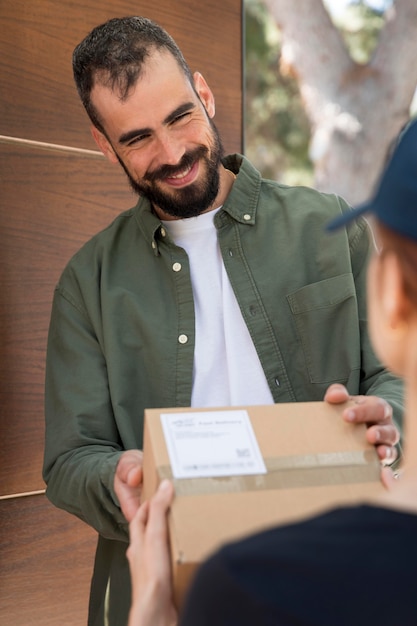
(183, 116)
(137, 139)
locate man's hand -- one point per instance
(149, 562)
(128, 482)
(376, 413)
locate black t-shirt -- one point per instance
(353, 566)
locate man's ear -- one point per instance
(205, 94)
(104, 145)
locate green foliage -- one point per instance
(360, 26)
(277, 130)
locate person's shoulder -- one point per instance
(306, 198)
(107, 235)
(84, 267)
(272, 192)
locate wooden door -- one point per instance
(56, 191)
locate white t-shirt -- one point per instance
(227, 370)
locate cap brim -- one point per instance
(348, 217)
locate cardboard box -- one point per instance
(314, 460)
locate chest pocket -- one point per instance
(326, 320)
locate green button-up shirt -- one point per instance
(122, 337)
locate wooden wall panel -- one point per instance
(37, 37)
(53, 202)
(56, 191)
(45, 557)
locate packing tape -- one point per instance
(290, 472)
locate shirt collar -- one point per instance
(241, 203)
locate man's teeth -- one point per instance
(182, 174)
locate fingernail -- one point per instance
(350, 415)
(377, 435)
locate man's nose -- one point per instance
(171, 149)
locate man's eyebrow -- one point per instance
(183, 108)
(131, 134)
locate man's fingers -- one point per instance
(336, 394)
(129, 464)
(389, 478)
(128, 482)
(387, 454)
(134, 476)
(369, 410)
(376, 413)
(383, 435)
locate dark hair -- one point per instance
(114, 53)
(405, 250)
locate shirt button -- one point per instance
(153, 244)
(246, 217)
(183, 338)
(163, 232)
(176, 267)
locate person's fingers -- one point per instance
(137, 529)
(159, 507)
(128, 482)
(387, 454)
(390, 478)
(369, 410)
(134, 476)
(376, 413)
(385, 439)
(336, 394)
(130, 464)
(383, 435)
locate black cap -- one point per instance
(395, 201)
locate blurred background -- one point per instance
(329, 84)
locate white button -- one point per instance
(163, 232)
(153, 245)
(183, 338)
(246, 217)
(176, 267)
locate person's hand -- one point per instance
(376, 413)
(128, 482)
(149, 562)
(389, 478)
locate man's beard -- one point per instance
(192, 199)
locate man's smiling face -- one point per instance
(163, 136)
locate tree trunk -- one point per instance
(356, 111)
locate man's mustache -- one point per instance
(166, 171)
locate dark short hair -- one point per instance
(114, 53)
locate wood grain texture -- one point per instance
(46, 559)
(51, 204)
(38, 98)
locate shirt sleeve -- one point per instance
(82, 443)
